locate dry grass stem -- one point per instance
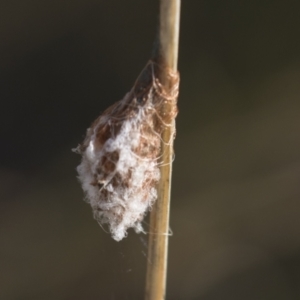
(159, 219)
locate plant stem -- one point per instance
(159, 218)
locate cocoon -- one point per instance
(119, 169)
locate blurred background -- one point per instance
(235, 212)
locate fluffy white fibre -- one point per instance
(126, 194)
(121, 152)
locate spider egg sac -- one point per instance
(119, 169)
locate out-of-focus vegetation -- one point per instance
(235, 207)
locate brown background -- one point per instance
(235, 211)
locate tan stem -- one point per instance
(159, 218)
